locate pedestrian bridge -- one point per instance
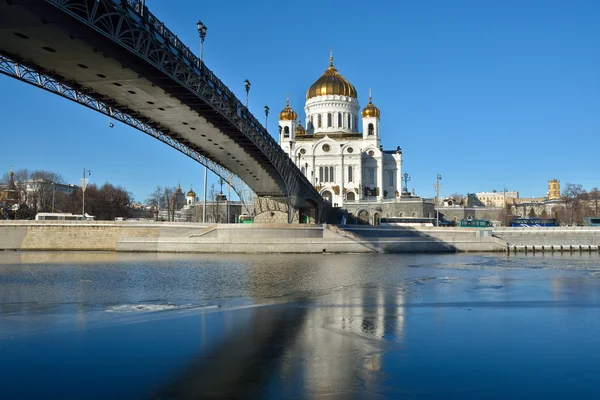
(117, 58)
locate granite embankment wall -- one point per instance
(305, 238)
(236, 238)
(83, 235)
(276, 238)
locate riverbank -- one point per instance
(139, 236)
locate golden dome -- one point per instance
(287, 114)
(331, 82)
(300, 129)
(370, 110)
(191, 193)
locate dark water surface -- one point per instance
(139, 326)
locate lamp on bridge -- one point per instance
(267, 117)
(247, 86)
(202, 33)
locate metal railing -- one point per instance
(153, 24)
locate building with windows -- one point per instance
(554, 189)
(338, 148)
(491, 199)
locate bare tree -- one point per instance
(157, 201)
(169, 198)
(594, 197)
(506, 214)
(572, 195)
(41, 188)
(459, 198)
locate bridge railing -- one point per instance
(144, 16)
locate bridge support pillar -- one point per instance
(291, 212)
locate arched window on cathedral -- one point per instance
(349, 125)
(321, 174)
(286, 131)
(392, 178)
(350, 177)
(319, 122)
(331, 175)
(329, 120)
(371, 130)
(339, 120)
(355, 121)
(326, 174)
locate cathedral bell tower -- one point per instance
(287, 128)
(370, 117)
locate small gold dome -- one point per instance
(370, 110)
(300, 129)
(191, 193)
(331, 82)
(287, 114)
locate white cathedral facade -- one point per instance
(339, 147)
(339, 150)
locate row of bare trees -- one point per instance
(164, 198)
(37, 192)
(578, 204)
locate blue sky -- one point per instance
(490, 94)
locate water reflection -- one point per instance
(348, 326)
(308, 347)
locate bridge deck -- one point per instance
(41, 36)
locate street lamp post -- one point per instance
(220, 197)
(53, 189)
(228, 200)
(437, 187)
(204, 205)
(247, 86)
(84, 182)
(267, 117)
(202, 33)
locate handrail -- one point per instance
(157, 26)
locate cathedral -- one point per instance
(339, 150)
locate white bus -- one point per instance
(63, 217)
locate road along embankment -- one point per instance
(281, 238)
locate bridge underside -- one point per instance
(37, 34)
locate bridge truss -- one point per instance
(129, 24)
(27, 74)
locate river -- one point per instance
(83, 325)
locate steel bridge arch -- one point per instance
(29, 75)
(130, 25)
